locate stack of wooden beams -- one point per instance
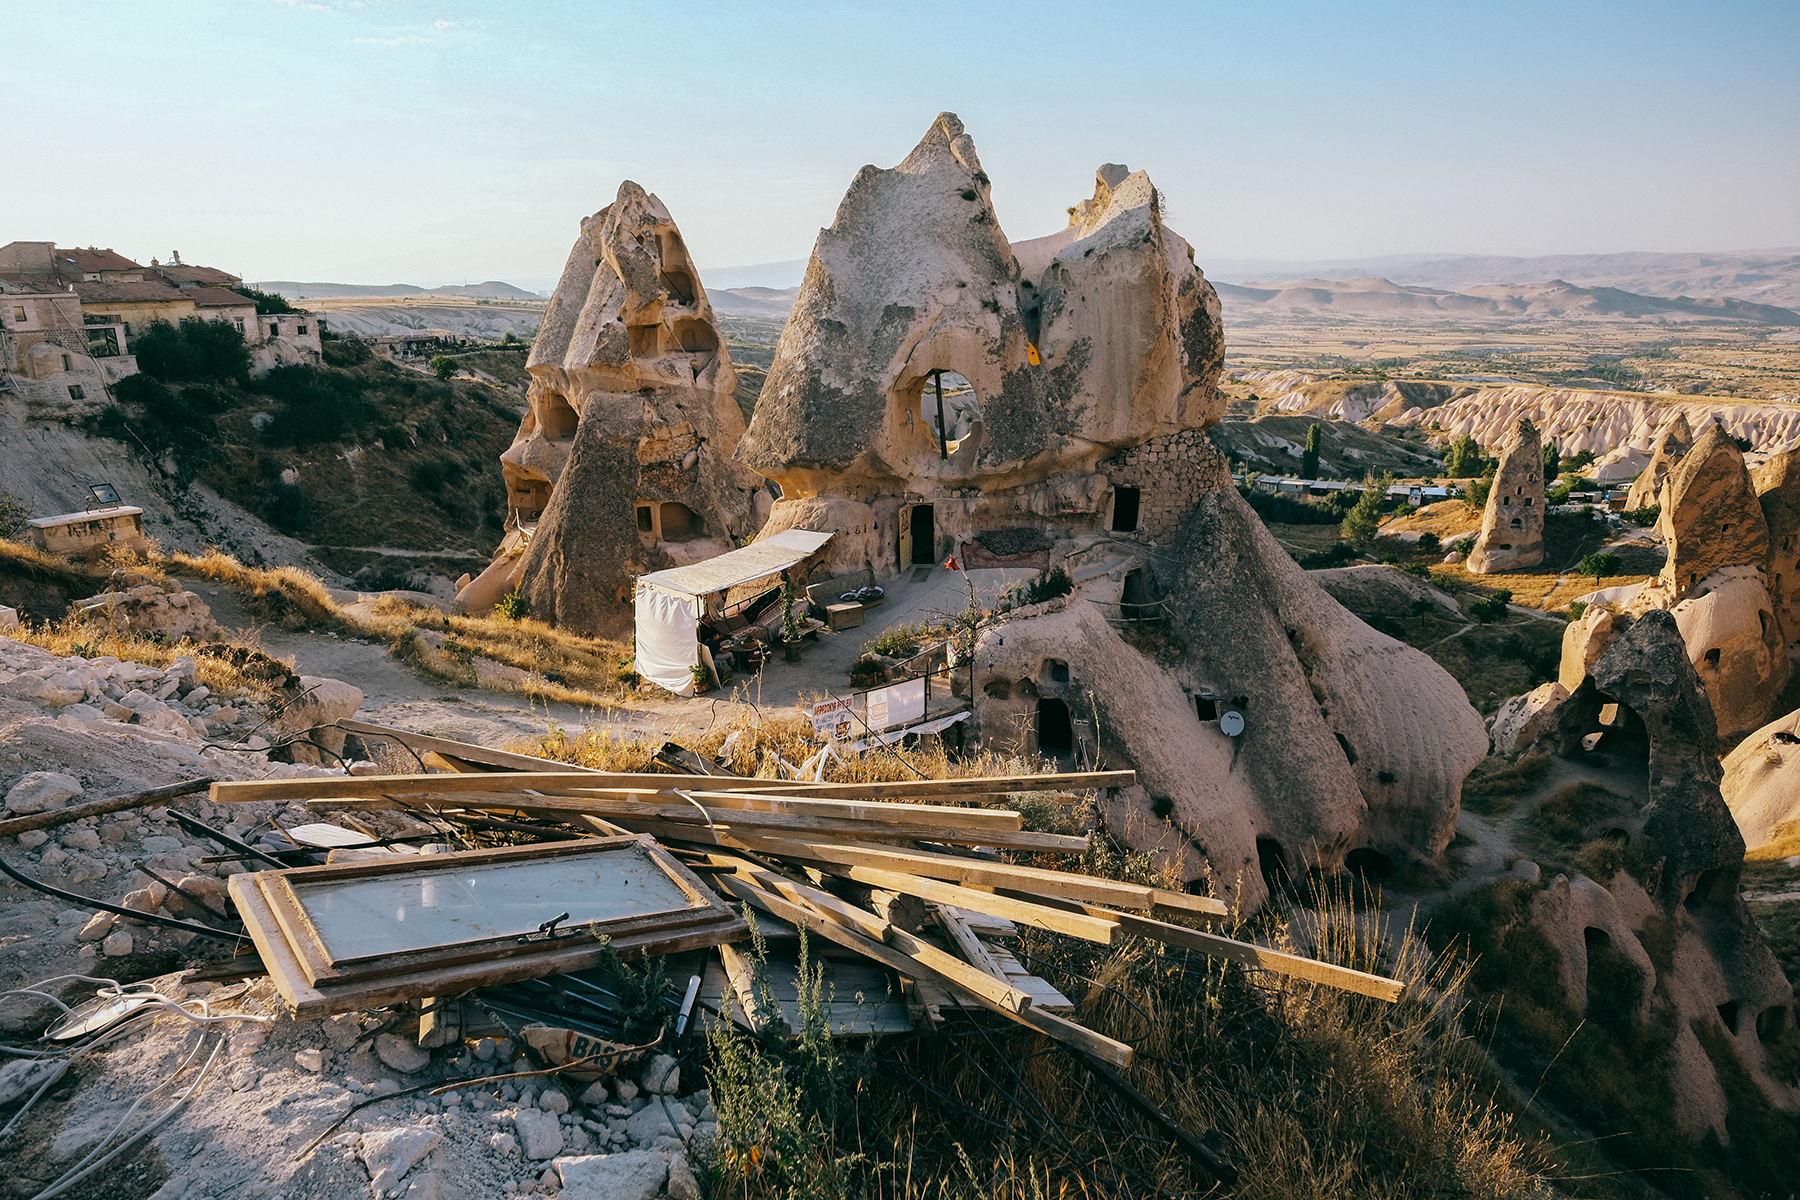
(864, 866)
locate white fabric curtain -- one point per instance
(666, 643)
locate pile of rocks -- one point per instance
(145, 605)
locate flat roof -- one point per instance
(122, 510)
(771, 556)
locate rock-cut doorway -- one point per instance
(918, 536)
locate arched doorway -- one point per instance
(1055, 732)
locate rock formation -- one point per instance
(1512, 527)
(623, 463)
(1777, 484)
(141, 605)
(1585, 640)
(1711, 515)
(1101, 337)
(1672, 441)
(1093, 355)
(1762, 788)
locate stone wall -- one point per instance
(1171, 473)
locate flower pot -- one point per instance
(791, 651)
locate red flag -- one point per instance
(951, 563)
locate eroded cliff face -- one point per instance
(1512, 526)
(623, 462)
(1100, 337)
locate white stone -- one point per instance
(595, 1095)
(391, 1153)
(401, 1054)
(80, 839)
(539, 1133)
(652, 1122)
(625, 1090)
(663, 1076)
(117, 944)
(634, 1175)
(311, 1059)
(31, 839)
(42, 791)
(554, 1100)
(682, 1183)
(23, 1077)
(341, 1031)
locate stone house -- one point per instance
(52, 355)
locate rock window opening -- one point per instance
(646, 520)
(1609, 715)
(1368, 863)
(1771, 1023)
(559, 418)
(1055, 733)
(1271, 859)
(1526, 502)
(679, 522)
(1057, 670)
(949, 407)
(1517, 525)
(1206, 707)
(1713, 889)
(696, 337)
(1125, 510)
(76, 392)
(1728, 1013)
(1763, 617)
(1506, 500)
(646, 340)
(1712, 658)
(923, 526)
(67, 364)
(680, 285)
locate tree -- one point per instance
(1552, 463)
(1360, 526)
(268, 302)
(1464, 459)
(195, 349)
(1309, 460)
(443, 366)
(1600, 566)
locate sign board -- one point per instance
(831, 718)
(897, 704)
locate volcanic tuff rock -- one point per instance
(1512, 528)
(1711, 515)
(1672, 441)
(1762, 787)
(1734, 642)
(1094, 339)
(1351, 739)
(623, 462)
(1584, 640)
(1778, 494)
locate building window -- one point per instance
(302, 331)
(18, 312)
(75, 392)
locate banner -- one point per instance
(831, 718)
(897, 704)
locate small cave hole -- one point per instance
(1344, 743)
(1162, 806)
(1772, 1023)
(1135, 601)
(1194, 887)
(680, 523)
(696, 337)
(1715, 888)
(998, 689)
(1368, 863)
(1271, 859)
(1712, 658)
(557, 418)
(1728, 1013)
(646, 519)
(680, 285)
(1056, 670)
(646, 340)
(950, 409)
(1206, 707)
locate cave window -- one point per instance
(1526, 502)
(1728, 1013)
(1517, 525)
(1506, 500)
(1715, 888)
(1055, 733)
(1712, 658)
(1368, 863)
(646, 519)
(1206, 707)
(1772, 1022)
(1125, 509)
(559, 419)
(696, 337)
(1763, 617)
(1057, 670)
(1609, 715)
(1134, 601)
(646, 341)
(953, 396)
(679, 522)
(1344, 745)
(680, 285)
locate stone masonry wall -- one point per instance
(1171, 473)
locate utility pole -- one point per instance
(937, 377)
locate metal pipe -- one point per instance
(937, 377)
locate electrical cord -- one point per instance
(103, 906)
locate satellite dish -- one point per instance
(1231, 723)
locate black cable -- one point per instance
(103, 906)
(225, 839)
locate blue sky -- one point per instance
(429, 141)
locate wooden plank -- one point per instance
(1038, 916)
(749, 836)
(1069, 1032)
(968, 944)
(1069, 782)
(1043, 993)
(991, 991)
(1250, 954)
(93, 808)
(741, 972)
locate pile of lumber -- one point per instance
(904, 875)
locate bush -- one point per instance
(1429, 543)
(318, 404)
(179, 422)
(195, 349)
(1491, 609)
(443, 366)
(511, 606)
(1645, 516)
(268, 303)
(1341, 554)
(1365, 518)
(1287, 510)
(433, 474)
(1464, 460)
(1478, 491)
(348, 351)
(1051, 584)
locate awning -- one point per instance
(771, 556)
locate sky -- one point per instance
(444, 141)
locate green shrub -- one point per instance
(443, 366)
(268, 303)
(1051, 584)
(1497, 781)
(1341, 554)
(1491, 609)
(317, 404)
(195, 349)
(1429, 543)
(1645, 516)
(433, 474)
(511, 607)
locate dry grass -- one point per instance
(286, 596)
(70, 638)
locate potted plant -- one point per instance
(702, 681)
(790, 627)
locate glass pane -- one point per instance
(392, 914)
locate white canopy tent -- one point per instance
(671, 603)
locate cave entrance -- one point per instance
(559, 418)
(1055, 732)
(1271, 859)
(1135, 603)
(918, 536)
(1125, 509)
(679, 522)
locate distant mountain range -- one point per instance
(493, 289)
(1763, 276)
(775, 303)
(1557, 299)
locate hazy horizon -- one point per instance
(437, 141)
